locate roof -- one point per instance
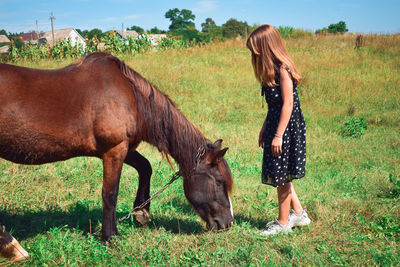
(125, 34)
(59, 34)
(29, 36)
(4, 39)
(4, 49)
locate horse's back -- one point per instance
(51, 115)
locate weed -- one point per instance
(395, 192)
(354, 127)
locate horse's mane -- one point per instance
(166, 127)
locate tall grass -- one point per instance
(350, 189)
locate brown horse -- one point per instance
(100, 107)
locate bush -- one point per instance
(285, 31)
(290, 32)
(354, 127)
(174, 42)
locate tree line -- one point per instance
(182, 24)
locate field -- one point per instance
(351, 189)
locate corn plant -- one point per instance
(65, 49)
(173, 42)
(92, 45)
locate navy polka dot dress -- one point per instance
(277, 171)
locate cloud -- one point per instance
(205, 6)
(110, 19)
(127, 17)
(133, 16)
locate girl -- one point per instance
(283, 134)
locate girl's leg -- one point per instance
(284, 200)
(295, 202)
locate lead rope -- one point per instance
(200, 152)
(174, 177)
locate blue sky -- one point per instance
(368, 16)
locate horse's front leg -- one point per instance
(143, 167)
(10, 248)
(113, 160)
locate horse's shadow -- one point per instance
(175, 224)
(28, 224)
(86, 219)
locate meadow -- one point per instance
(351, 190)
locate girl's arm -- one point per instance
(287, 97)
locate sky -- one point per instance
(364, 16)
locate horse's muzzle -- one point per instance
(219, 225)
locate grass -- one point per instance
(351, 189)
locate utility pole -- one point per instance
(37, 27)
(52, 27)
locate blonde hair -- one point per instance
(268, 53)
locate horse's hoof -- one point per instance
(142, 216)
(14, 251)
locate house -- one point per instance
(4, 49)
(124, 34)
(4, 39)
(63, 34)
(29, 37)
(156, 38)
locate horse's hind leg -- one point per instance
(112, 166)
(143, 167)
(10, 248)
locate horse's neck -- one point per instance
(173, 134)
(186, 142)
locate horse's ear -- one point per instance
(218, 144)
(216, 156)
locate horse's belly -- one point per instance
(38, 148)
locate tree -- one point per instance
(83, 33)
(95, 32)
(207, 24)
(155, 30)
(189, 33)
(340, 27)
(18, 43)
(180, 19)
(210, 31)
(322, 31)
(138, 29)
(3, 32)
(233, 28)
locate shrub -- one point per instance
(286, 31)
(354, 127)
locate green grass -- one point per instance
(351, 189)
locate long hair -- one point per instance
(268, 53)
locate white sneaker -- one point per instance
(298, 219)
(275, 227)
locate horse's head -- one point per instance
(209, 187)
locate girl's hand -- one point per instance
(276, 146)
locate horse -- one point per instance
(100, 107)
